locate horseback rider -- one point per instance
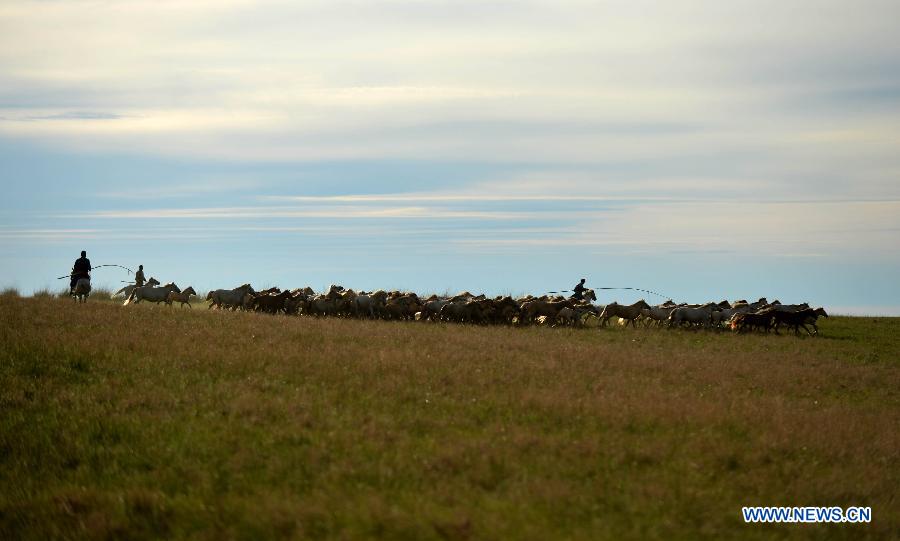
(81, 269)
(139, 277)
(578, 290)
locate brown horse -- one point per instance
(271, 304)
(184, 297)
(628, 313)
(801, 318)
(745, 322)
(532, 309)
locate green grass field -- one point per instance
(147, 422)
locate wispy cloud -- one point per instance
(341, 213)
(804, 229)
(169, 189)
(544, 80)
(71, 115)
(101, 234)
(451, 197)
(554, 198)
(55, 234)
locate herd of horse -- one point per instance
(740, 316)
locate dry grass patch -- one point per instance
(10, 292)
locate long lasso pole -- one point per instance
(97, 267)
(608, 288)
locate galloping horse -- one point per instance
(628, 313)
(184, 297)
(589, 295)
(692, 315)
(126, 291)
(152, 294)
(82, 290)
(657, 314)
(536, 308)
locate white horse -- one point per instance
(229, 298)
(700, 315)
(720, 317)
(366, 304)
(152, 294)
(126, 291)
(657, 313)
(82, 290)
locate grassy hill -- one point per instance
(146, 422)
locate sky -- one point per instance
(704, 150)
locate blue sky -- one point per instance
(705, 150)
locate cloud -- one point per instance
(46, 234)
(450, 197)
(76, 115)
(178, 189)
(812, 229)
(123, 128)
(33, 236)
(339, 213)
(538, 81)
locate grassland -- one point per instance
(148, 422)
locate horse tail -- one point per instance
(674, 317)
(130, 297)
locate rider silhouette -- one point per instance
(139, 276)
(81, 269)
(578, 290)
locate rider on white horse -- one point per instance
(81, 269)
(139, 277)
